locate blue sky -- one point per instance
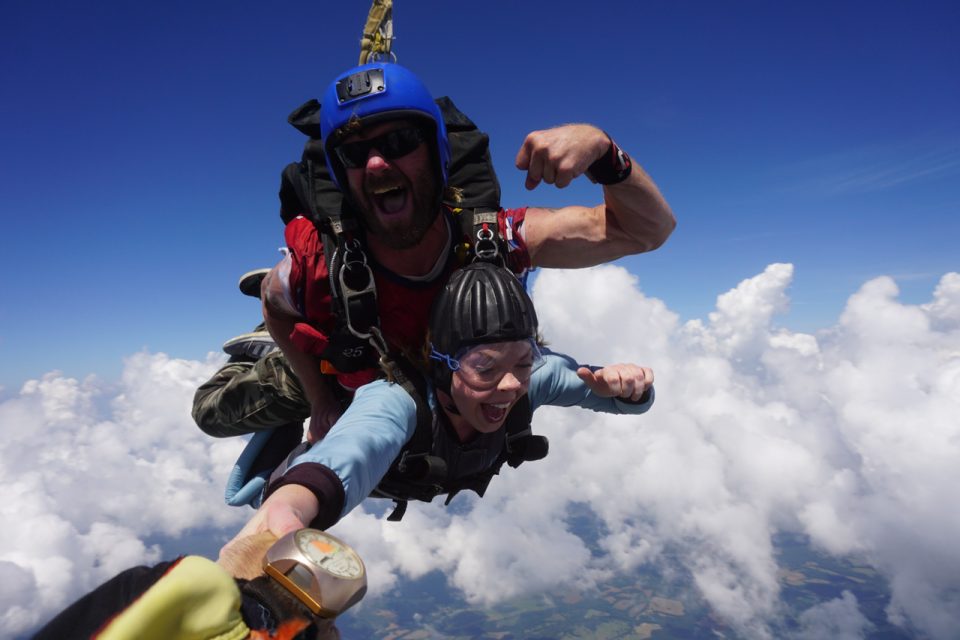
(142, 144)
(140, 152)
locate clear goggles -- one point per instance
(483, 366)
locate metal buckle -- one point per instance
(485, 247)
(354, 260)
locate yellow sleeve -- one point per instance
(195, 600)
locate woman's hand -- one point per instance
(628, 381)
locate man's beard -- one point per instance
(425, 198)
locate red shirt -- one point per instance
(403, 305)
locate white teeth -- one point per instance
(382, 190)
(502, 405)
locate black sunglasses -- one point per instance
(392, 145)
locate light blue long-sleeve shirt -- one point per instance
(371, 433)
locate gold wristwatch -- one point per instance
(321, 571)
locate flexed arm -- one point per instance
(633, 218)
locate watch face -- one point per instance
(329, 554)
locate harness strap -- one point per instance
(353, 297)
(480, 229)
(420, 465)
(378, 32)
(399, 508)
(352, 284)
(357, 289)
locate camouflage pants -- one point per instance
(244, 397)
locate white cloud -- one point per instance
(838, 619)
(848, 436)
(945, 309)
(91, 471)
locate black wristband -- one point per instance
(612, 167)
(325, 485)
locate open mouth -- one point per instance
(494, 413)
(390, 199)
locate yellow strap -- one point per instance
(378, 32)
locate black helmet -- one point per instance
(481, 303)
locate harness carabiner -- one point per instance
(485, 247)
(358, 290)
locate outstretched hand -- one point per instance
(628, 381)
(557, 156)
(289, 508)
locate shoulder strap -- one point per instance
(520, 445)
(419, 475)
(480, 237)
(415, 461)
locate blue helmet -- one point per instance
(373, 92)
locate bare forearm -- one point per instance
(282, 319)
(280, 323)
(305, 365)
(633, 218)
(636, 210)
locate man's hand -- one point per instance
(628, 381)
(322, 419)
(557, 156)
